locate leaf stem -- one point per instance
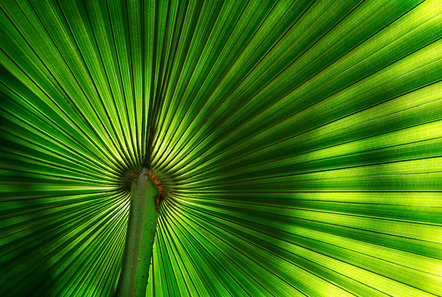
(140, 236)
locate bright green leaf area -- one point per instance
(299, 144)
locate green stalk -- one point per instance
(140, 237)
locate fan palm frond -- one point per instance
(298, 143)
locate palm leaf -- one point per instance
(299, 142)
